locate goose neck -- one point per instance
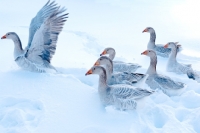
(109, 70)
(152, 67)
(173, 54)
(17, 47)
(102, 84)
(112, 55)
(152, 40)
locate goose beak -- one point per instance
(3, 37)
(96, 63)
(166, 46)
(103, 53)
(145, 30)
(88, 72)
(144, 53)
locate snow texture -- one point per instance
(68, 101)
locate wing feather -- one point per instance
(129, 92)
(167, 83)
(37, 21)
(43, 44)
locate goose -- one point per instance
(174, 66)
(122, 96)
(158, 81)
(119, 66)
(43, 35)
(158, 48)
(118, 77)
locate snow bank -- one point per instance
(68, 101)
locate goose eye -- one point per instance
(94, 68)
(8, 34)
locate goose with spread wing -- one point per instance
(158, 48)
(119, 66)
(43, 36)
(158, 81)
(117, 77)
(122, 96)
(179, 68)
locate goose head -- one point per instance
(109, 51)
(148, 29)
(172, 45)
(149, 53)
(99, 70)
(103, 60)
(9, 35)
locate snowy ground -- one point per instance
(68, 101)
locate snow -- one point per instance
(68, 101)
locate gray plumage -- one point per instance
(179, 68)
(193, 75)
(121, 96)
(119, 66)
(43, 35)
(158, 48)
(158, 81)
(164, 83)
(118, 77)
(172, 64)
(125, 78)
(125, 67)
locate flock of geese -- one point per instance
(116, 78)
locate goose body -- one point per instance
(174, 66)
(164, 83)
(158, 48)
(121, 96)
(43, 35)
(158, 81)
(118, 77)
(119, 66)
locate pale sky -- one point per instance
(114, 23)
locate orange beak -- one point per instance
(96, 63)
(144, 53)
(103, 53)
(166, 46)
(3, 37)
(89, 72)
(145, 30)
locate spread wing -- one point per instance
(45, 28)
(37, 21)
